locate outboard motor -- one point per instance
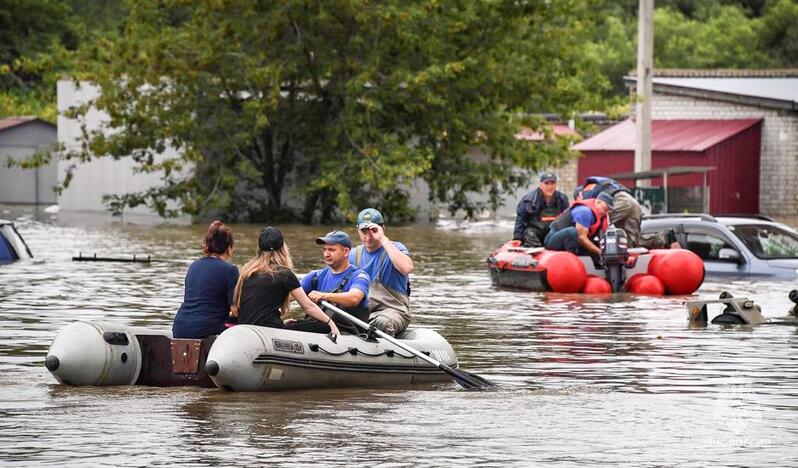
(614, 254)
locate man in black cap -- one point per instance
(339, 282)
(537, 210)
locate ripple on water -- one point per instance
(582, 380)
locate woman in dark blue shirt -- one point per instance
(210, 282)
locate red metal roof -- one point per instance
(667, 135)
(527, 133)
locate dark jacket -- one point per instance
(533, 208)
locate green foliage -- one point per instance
(340, 103)
(780, 31)
(722, 37)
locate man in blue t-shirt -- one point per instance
(388, 263)
(339, 283)
(573, 230)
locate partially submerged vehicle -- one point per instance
(619, 269)
(736, 311)
(733, 245)
(243, 358)
(12, 245)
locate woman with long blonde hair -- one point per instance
(267, 283)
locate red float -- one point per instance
(680, 271)
(565, 273)
(645, 284)
(596, 285)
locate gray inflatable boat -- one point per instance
(243, 358)
(102, 353)
(252, 358)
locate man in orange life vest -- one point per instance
(573, 229)
(537, 210)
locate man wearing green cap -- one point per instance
(388, 264)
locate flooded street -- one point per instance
(618, 380)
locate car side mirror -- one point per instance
(729, 254)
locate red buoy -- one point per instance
(630, 283)
(596, 285)
(645, 284)
(565, 273)
(681, 271)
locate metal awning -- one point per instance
(670, 171)
(664, 172)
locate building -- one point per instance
(20, 138)
(767, 95)
(730, 147)
(94, 179)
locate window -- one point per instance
(767, 242)
(707, 246)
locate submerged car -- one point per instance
(733, 245)
(12, 246)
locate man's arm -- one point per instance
(583, 239)
(520, 221)
(350, 298)
(401, 261)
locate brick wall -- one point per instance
(778, 194)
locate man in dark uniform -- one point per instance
(537, 210)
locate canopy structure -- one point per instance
(671, 171)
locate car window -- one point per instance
(707, 245)
(766, 241)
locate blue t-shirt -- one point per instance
(583, 215)
(388, 275)
(210, 283)
(329, 281)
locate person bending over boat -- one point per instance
(210, 282)
(627, 213)
(267, 284)
(339, 282)
(573, 230)
(388, 264)
(537, 210)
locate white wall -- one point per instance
(27, 186)
(100, 176)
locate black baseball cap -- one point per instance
(270, 239)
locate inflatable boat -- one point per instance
(638, 270)
(252, 358)
(99, 353)
(243, 358)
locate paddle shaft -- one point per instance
(382, 334)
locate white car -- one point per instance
(733, 245)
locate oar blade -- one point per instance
(467, 380)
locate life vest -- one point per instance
(565, 220)
(546, 213)
(603, 184)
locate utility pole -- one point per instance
(645, 71)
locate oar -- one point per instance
(465, 379)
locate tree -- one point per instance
(341, 103)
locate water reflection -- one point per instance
(583, 380)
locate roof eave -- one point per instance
(721, 96)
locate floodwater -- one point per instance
(581, 380)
